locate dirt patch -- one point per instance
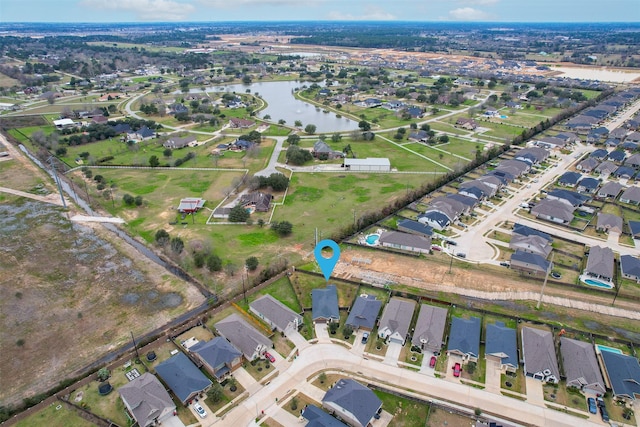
(69, 294)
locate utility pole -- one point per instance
(135, 347)
(55, 176)
(546, 277)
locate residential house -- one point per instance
(532, 243)
(405, 241)
(122, 128)
(530, 263)
(419, 135)
(396, 319)
(539, 355)
(464, 338)
(633, 137)
(491, 112)
(324, 305)
(551, 142)
(532, 155)
(624, 172)
(183, 377)
(599, 154)
(629, 146)
(177, 108)
(429, 330)
(449, 206)
(569, 179)
(581, 366)
(414, 227)
(502, 346)
(609, 222)
(634, 226)
(275, 314)
(612, 142)
(630, 267)
(147, 401)
(528, 231)
(633, 161)
(581, 123)
(465, 123)
(477, 189)
(622, 373)
(571, 198)
(631, 195)
(243, 336)
(316, 417)
(469, 202)
(352, 402)
(321, 149)
(617, 156)
(175, 142)
(191, 204)
(218, 356)
(600, 263)
(553, 210)
(606, 168)
(474, 192)
(364, 313)
(237, 123)
(610, 190)
(588, 185)
(434, 219)
(259, 201)
(569, 137)
(517, 166)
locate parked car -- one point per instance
(604, 414)
(451, 242)
(365, 337)
(456, 370)
(592, 405)
(269, 357)
(200, 410)
(505, 264)
(600, 401)
(461, 255)
(432, 362)
(436, 248)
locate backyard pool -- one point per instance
(372, 239)
(602, 348)
(504, 117)
(596, 283)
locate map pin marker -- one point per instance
(327, 264)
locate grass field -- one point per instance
(55, 415)
(405, 412)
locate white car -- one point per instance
(200, 410)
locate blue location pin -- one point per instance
(327, 264)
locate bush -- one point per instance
(283, 228)
(214, 263)
(138, 200)
(199, 259)
(238, 214)
(128, 199)
(162, 237)
(252, 263)
(177, 245)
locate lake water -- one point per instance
(598, 73)
(283, 105)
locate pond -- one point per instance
(283, 105)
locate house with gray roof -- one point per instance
(588, 185)
(176, 142)
(521, 167)
(147, 401)
(396, 319)
(183, 377)
(243, 336)
(551, 142)
(451, 208)
(414, 227)
(405, 241)
(539, 355)
(581, 366)
(609, 222)
(600, 154)
(569, 179)
(275, 314)
(634, 226)
(324, 304)
(352, 402)
(537, 153)
(532, 243)
(553, 210)
(316, 417)
(464, 338)
(631, 195)
(501, 345)
(600, 263)
(570, 197)
(524, 230)
(529, 263)
(429, 330)
(218, 356)
(321, 149)
(622, 372)
(364, 313)
(633, 161)
(434, 219)
(630, 267)
(610, 190)
(588, 165)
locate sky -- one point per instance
(319, 10)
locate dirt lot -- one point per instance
(69, 295)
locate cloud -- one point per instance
(234, 4)
(468, 14)
(480, 2)
(371, 13)
(145, 10)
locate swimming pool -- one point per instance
(504, 117)
(602, 348)
(597, 283)
(372, 239)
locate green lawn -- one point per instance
(281, 290)
(406, 413)
(305, 283)
(51, 416)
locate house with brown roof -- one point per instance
(176, 142)
(236, 123)
(609, 222)
(553, 210)
(466, 123)
(600, 263)
(631, 195)
(610, 190)
(257, 200)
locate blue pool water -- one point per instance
(504, 117)
(609, 349)
(372, 239)
(597, 283)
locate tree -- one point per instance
(298, 123)
(347, 331)
(215, 393)
(336, 137)
(167, 152)
(310, 129)
(322, 377)
(199, 259)
(238, 214)
(154, 162)
(128, 199)
(162, 237)
(261, 223)
(103, 374)
(364, 125)
(230, 268)
(252, 263)
(297, 156)
(281, 122)
(283, 228)
(293, 139)
(443, 139)
(177, 245)
(138, 201)
(214, 263)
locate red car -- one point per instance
(269, 357)
(432, 362)
(456, 370)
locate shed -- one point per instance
(370, 164)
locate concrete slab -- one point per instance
(535, 394)
(426, 358)
(297, 339)
(244, 378)
(322, 333)
(172, 422)
(492, 379)
(358, 347)
(392, 354)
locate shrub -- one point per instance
(252, 263)
(177, 245)
(128, 199)
(162, 237)
(214, 263)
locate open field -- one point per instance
(55, 415)
(47, 332)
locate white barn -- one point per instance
(370, 164)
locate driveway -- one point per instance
(207, 421)
(426, 358)
(244, 378)
(392, 354)
(322, 333)
(358, 347)
(297, 339)
(492, 379)
(173, 422)
(535, 394)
